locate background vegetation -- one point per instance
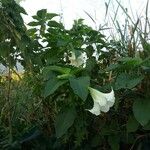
(45, 106)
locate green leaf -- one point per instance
(62, 42)
(90, 64)
(129, 61)
(62, 70)
(64, 121)
(141, 110)
(112, 67)
(113, 141)
(54, 24)
(52, 85)
(51, 15)
(33, 23)
(48, 74)
(80, 86)
(35, 17)
(133, 81)
(32, 31)
(147, 127)
(42, 13)
(127, 81)
(132, 124)
(64, 76)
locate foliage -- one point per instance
(48, 104)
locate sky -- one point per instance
(75, 9)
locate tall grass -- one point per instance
(133, 31)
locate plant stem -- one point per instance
(9, 106)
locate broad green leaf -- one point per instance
(33, 23)
(132, 124)
(129, 61)
(141, 110)
(32, 31)
(80, 86)
(51, 15)
(36, 17)
(121, 81)
(54, 24)
(42, 13)
(62, 70)
(90, 63)
(52, 85)
(64, 76)
(127, 81)
(90, 51)
(133, 81)
(64, 121)
(114, 141)
(48, 74)
(62, 42)
(147, 127)
(112, 67)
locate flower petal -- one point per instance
(95, 110)
(98, 97)
(76, 61)
(104, 108)
(110, 98)
(102, 101)
(110, 103)
(79, 61)
(73, 57)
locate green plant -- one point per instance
(49, 103)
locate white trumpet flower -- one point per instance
(76, 61)
(102, 101)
